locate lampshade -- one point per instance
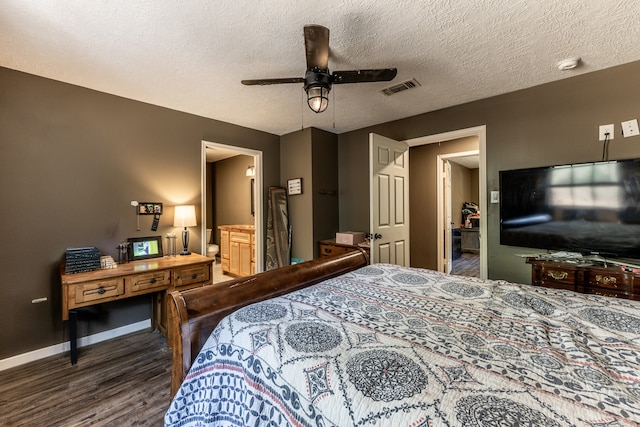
(318, 98)
(185, 216)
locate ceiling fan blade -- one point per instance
(316, 45)
(364, 76)
(263, 82)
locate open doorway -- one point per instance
(461, 212)
(443, 222)
(245, 185)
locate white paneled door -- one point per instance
(389, 198)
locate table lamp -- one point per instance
(185, 216)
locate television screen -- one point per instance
(591, 208)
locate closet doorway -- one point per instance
(478, 132)
(460, 179)
(244, 189)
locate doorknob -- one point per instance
(377, 236)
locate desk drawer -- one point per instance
(240, 237)
(99, 290)
(148, 281)
(607, 292)
(619, 282)
(192, 274)
(552, 274)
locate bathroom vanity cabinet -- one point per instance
(238, 249)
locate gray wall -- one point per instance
(295, 162)
(311, 154)
(71, 160)
(555, 123)
(325, 187)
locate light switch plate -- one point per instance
(495, 197)
(630, 128)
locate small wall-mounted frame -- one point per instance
(145, 247)
(149, 208)
(294, 186)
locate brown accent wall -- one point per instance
(71, 160)
(475, 185)
(461, 191)
(231, 193)
(423, 215)
(555, 123)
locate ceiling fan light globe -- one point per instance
(318, 98)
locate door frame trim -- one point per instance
(481, 133)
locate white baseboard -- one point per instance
(53, 350)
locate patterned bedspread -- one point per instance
(392, 346)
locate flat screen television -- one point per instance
(591, 208)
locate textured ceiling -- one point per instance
(191, 55)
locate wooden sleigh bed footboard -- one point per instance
(195, 313)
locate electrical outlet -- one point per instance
(604, 130)
(630, 128)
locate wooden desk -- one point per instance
(157, 275)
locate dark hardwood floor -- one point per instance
(467, 265)
(125, 381)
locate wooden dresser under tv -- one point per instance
(611, 281)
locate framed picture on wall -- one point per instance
(294, 186)
(149, 208)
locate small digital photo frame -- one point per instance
(145, 247)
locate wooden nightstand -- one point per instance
(329, 247)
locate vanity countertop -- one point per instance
(246, 227)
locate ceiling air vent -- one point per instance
(409, 84)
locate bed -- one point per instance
(352, 344)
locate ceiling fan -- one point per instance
(318, 79)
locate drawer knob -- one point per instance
(607, 280)
(558, 275)
(101, 290)
(327, 250)
(194, 275)
(153, 280)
